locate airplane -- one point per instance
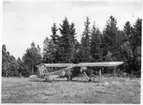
(43, 71)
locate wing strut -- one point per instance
(84, 74)
(99, 75)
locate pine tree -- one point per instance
(49, 51)
(128, 29)
(32, 57)
(136, 44)
(96, 50)
(54, 35)
(110, 41)
(85, 43)
(9, 64)
(5, 61)
(136, 36)
(72, 42)
(67, 41)
(23, 68)
(64, 47)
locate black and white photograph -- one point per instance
(71, 51)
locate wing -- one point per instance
(55, 64)
(60, 71)
(101, 64)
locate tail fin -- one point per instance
(41, 71)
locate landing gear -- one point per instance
(47, 80)
(90, 80)
(69, 78)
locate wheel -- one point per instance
(71, 78)
(90, 80)
(47, 80)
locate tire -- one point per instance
(90, 80)
(46, 80)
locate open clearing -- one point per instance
(111, 90)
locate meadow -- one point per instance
(110, 90)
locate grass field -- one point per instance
(111, 90)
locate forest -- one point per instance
(111, 44)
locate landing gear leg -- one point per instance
(89, 79)
(100, 76)
(47, 80)
(69, 77)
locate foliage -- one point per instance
(85, 43)
(32, 57)
(110, 38)
(111, 44)
(54, 36)
(136, 45)
(9, 64)
(96, 50)
(49, 51)
(67, 41)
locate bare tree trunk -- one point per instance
(32, 69)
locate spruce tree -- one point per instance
(96, 50)
(85, 43)
(72, 42)
(54, 35)
(67, 41)
(128, 29)
(136, 44)
(32, 57)
(110, 41)
(9, 63)
(49, 51)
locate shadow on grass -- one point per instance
(55, 81)
(102, 92)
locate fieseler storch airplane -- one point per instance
(44, 73)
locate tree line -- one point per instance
(112, 44)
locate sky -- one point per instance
(27, 21)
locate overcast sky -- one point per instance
(27, 21)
